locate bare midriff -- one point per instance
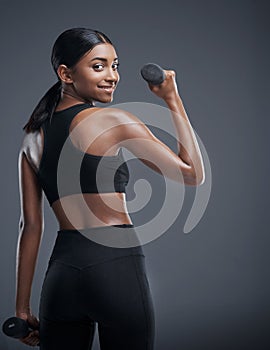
(87, 210)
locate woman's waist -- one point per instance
(91, 210)
(94, 245)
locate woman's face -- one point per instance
(96, 75)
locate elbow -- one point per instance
(30, 226)
(199, 181)
(194, 182)
(194, 179)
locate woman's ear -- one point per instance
(64, 74)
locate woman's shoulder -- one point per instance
(32, 146)
(103, 116)
(105, 111)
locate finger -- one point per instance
(32, 335)
(170, 74)
(32, 341)
(35, 343)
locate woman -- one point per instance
(88, 283)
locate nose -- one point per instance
(112, 75)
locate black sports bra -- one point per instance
(72, 171)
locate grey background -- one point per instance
(211, 287)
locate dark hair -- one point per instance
(68, 48)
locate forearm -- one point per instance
(188, 148)
(27, 252)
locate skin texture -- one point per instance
(82, 84)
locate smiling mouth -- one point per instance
(109, 89)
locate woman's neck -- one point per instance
(68, 97)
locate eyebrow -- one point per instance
(101, 59)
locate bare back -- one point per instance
(96, 209)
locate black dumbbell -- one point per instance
(16, 327)
(153, 73)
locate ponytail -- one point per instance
(44, 108)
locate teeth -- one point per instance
(107, 88)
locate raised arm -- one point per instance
(30, 232)
(135, 136)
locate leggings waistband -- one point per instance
(113, 236)
(96, 244)
(96, 228)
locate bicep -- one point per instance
(135, 136)
(31, 195)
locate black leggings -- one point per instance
(88, 283)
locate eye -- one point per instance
(97, 66)
(117, 65)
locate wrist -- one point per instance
(172, 99)
(22, 310)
